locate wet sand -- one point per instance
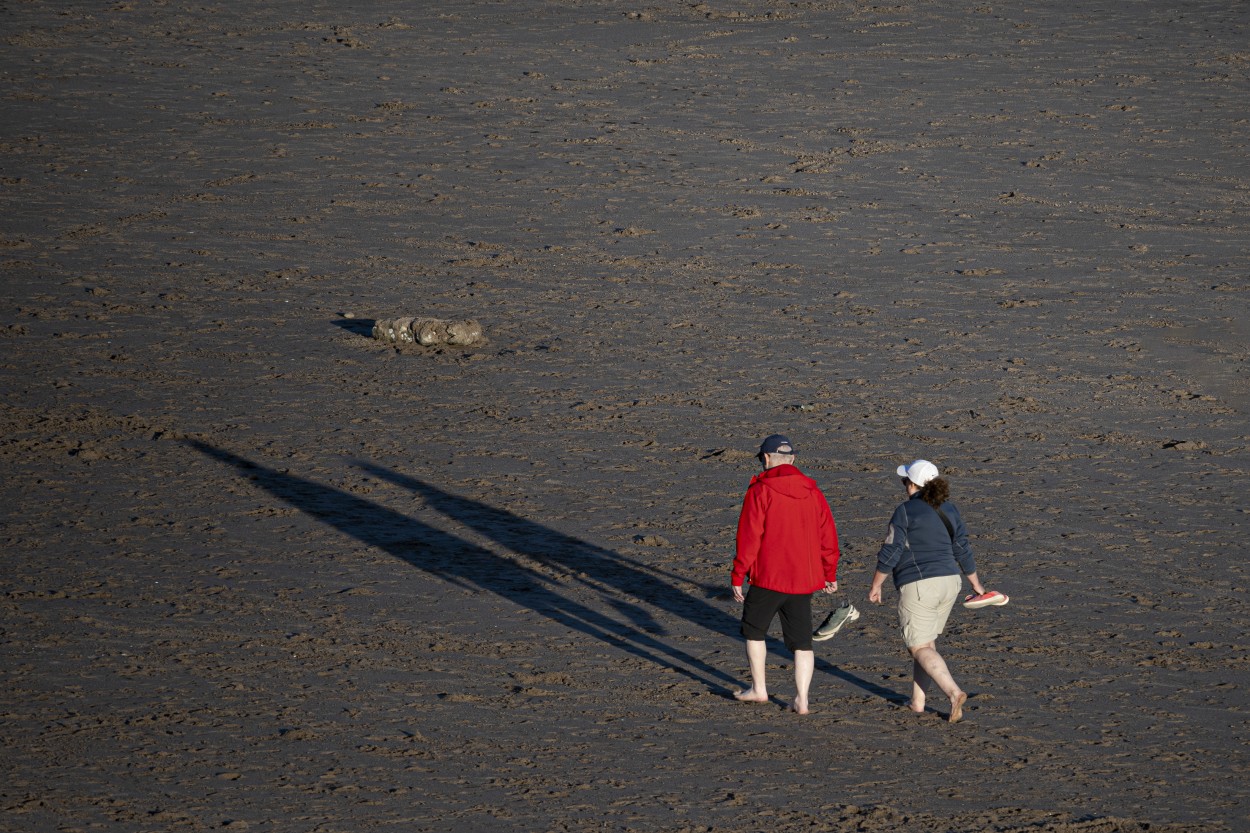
(265, 572)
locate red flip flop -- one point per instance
(989, 598)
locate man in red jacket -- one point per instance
(788, 549)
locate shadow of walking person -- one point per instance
(465, 564)
(610, 574)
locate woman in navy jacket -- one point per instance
(925, 551)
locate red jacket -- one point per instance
(787, 540)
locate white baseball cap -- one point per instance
(919, 472)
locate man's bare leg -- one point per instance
(757, 653)
(804, 667)
(931, 663)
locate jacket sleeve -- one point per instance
(895, 541)
(963, 550)
(829, 552)
(750, 534)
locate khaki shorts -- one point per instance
(924, 606)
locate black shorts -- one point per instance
(796, 616)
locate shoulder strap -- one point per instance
(950, 529)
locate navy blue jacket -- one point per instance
(918, 545)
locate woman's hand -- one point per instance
(878, 579)
(830, 587)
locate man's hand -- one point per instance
(830, 587)
(738, 597)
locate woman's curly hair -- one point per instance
(935, 492)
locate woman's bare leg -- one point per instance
(919, 686)
(927, 660)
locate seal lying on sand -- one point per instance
(429, 332)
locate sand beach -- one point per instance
(265, 572)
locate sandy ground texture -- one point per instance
(263, 572)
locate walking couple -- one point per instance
(787, 548)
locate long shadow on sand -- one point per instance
(614, 578)
(466, 564)
(575, 561)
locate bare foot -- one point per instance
(957, 707)
(799, 706)
(917, 707)
(749, 696)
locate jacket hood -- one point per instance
(786, 480)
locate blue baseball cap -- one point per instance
(777, 444)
